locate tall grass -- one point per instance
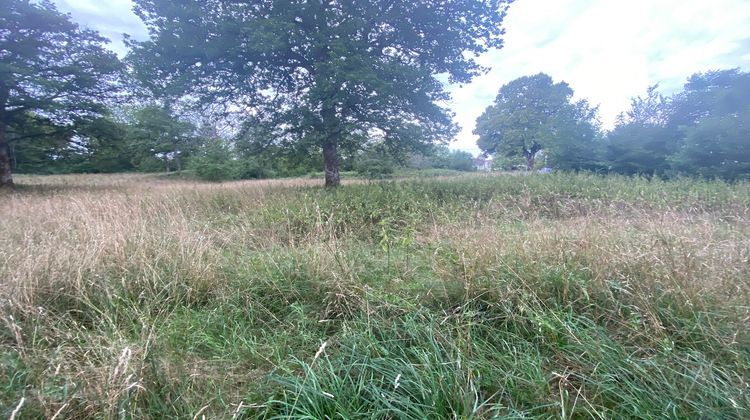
(476, 297)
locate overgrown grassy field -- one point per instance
(537, 296)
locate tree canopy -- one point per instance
(299, 85)
(718, 147)
(710, 94)
(156, 133)
(532, 113)
(317, 70)
(701, 130)
(51, 71)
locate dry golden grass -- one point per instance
(95, 269)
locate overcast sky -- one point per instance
(607, 50)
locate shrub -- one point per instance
(251, 169)
(458, 160)
(375, 168)
(215, 163)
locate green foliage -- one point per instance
(652, 110)
(375, 168)
(716, 147)
(642, 143)
(323, 74)
(441, 157)
(249, 168)
(699, 131)
(710, 94)
(459, 160)
(578, 144)
(215, 163)
(508, 163)
(640, 149)
(51, 71)
(156, 133)
(37, 156)
(456, 160)
(105, 147)
(92, 146)
(533, 113)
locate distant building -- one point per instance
(482, 164)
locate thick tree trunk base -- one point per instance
(530, 163)
(6, 173)
(331, 159)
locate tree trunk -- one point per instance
(330, 146)
(331, 159)
(6, 174)
(529, 161)
(178, 161)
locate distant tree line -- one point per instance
(703, 130)
(236, 90)
(155, 138)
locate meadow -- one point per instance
(482, 296)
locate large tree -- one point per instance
(696, 131)
(532, 113)
(51, 70)
(640, 149)
(642, 139)
(716, 147)
(91, 145)
(710, 94)
(712, 115)
(156, 132)
(321, 71)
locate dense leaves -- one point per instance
(717, 147)
(52, 72)
(531, 114)
(339, 85)
(156, 133)
(701, 130)
(321, 72)
(640, 149)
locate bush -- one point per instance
(251, 169)
(458, 161)
(215, 163)
(214, 171)
(443, 158)
(150, 164)
(375, 168)
(502, 162)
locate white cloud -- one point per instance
(609, 51)
(111, 18)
